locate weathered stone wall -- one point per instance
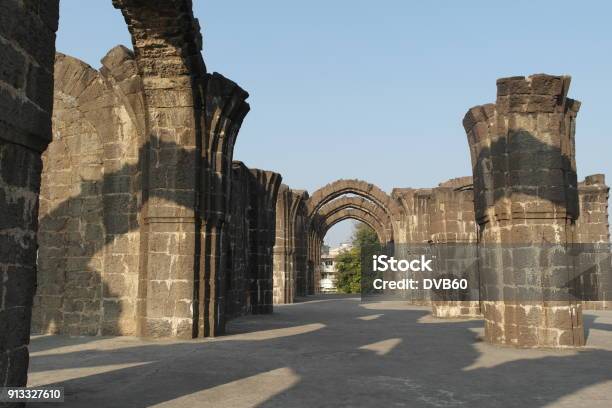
(263, 189)
(441, 220)
(288, 247)
(415, 212)
(522, 150)
(592, 241)
(119, 252)
(90, 199)
(301, 229)
(249, 242)
(167, 45)
(114, 258)
(237, 244)
(27, 48)
(592, 224)
(283, 278)
(453, 236)
(451, 214)
(225, 110)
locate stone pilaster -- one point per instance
(237, 244)
(225, 110)
(301, 245)
(311, 263)
(285, 264)
(263, 191)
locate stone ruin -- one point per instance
(120, 229)
(125, 212)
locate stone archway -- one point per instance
(360, 188)
(355, 214)
(188, 122)
(361, 205)
(363, 201)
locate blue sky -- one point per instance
(377, 90)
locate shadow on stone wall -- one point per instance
(89, 260)
(528, 168)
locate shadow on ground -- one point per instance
(328, 352)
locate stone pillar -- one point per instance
(287, 204)
(27, 50)
(525, 188)
(301, 246)
(310, 275)
(453, 236)
(317, 264)
(167, 45)
(237, 245)
(225, 111)
(593, 243)
(283, 251)
(416, 235)
(415, 211)
(263, 190)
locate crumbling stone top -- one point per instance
(458, 183)
(594, 179)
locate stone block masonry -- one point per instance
(592, 237)
(27, 50)
(263, 189)
(250, 240)
(114, 258)
(526, 202)
(91, 199)
(454, 237)
(148, 227)
(289, 250)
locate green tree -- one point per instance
(348, 263)
(363, 236)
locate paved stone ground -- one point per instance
(328, 352)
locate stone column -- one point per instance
(416, 235)
(301, 246)
(27, 47)
(264, 189)
(317, 264)
(525, 190)
(282, 248)
(225, 110)
(593, 243)
(453, 236)
(167, 46)
(287, 205)
(310, 276)
(237, 247)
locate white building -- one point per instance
(329, 273)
